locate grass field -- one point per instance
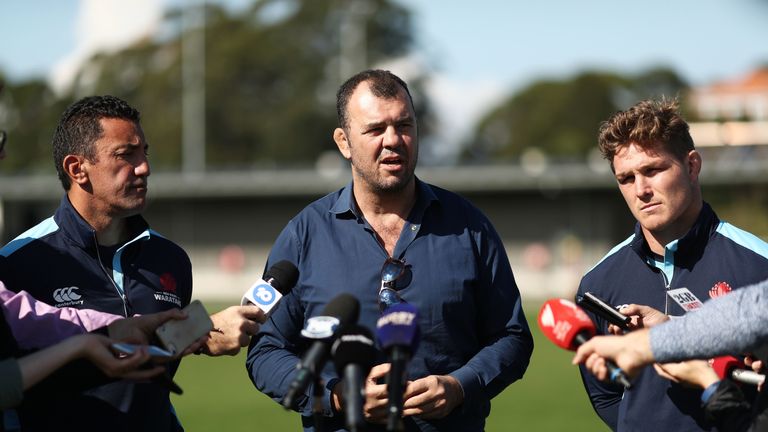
(218, 395)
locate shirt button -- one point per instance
(414, 227)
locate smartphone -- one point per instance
(176, 335)
(599, 307)
(155, 352)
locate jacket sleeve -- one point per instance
(604, 397)
(502, 327)
(728, 408)
(26, 315)
(275, 351)
(11, 390)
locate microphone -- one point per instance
(341, 311)
(354, 356)
(731, 367)
(568, 326)
(278, 281)
(398, 334)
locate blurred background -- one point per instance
(238, 97)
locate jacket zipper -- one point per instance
(112, 281)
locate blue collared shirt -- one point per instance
(470, 314)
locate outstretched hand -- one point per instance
(630, 352)
(233, 328)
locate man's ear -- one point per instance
(340, 138)
(694, 165)
(76, 169)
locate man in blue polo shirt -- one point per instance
(475, 339)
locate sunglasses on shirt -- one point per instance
(392, 270)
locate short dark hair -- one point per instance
(384, 84)
(649, 124)
(79, 128)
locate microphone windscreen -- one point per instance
(561, 320)
(354, 345)
(399, 326)
(284, 276)
(723, 365)
(345, 307)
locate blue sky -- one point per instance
(478, 51)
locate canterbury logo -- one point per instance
(66, 294)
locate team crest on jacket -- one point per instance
(168, 287)
(719, 289)
(168, 282)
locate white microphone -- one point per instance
(278, 281)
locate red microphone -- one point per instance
(568, 326)
(731, 367)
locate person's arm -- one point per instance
(35, 368)
(25, 316)
(95, 348)
(733, 323)
(272, 355)
(233, 329)
(274, 351)
(503, 329)
(11, 387)
(604, 396)
(728, 409)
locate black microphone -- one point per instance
(343, 310)
(354, 356)
(277, 281)
(398, 334)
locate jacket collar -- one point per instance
(690, 247)
(80, 232)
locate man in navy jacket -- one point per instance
(680, 255)
(98, 252)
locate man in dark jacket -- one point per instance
(98, 252)
(680, 255)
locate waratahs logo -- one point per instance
(719, 289)
(168, 282)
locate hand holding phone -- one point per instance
(599, 307)
(177, 335)
(155, 352)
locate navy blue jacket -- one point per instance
(59, 262)
(711, 254)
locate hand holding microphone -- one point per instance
(569, 327)
(234, 326)
(277, 282)
(731, 367)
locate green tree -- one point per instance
(561, 118)
(29, 111)
(271, 73)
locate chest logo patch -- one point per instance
(67, 296)
(168, 282)
(719, 289)
(167, 291)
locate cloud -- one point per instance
(105, 26)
